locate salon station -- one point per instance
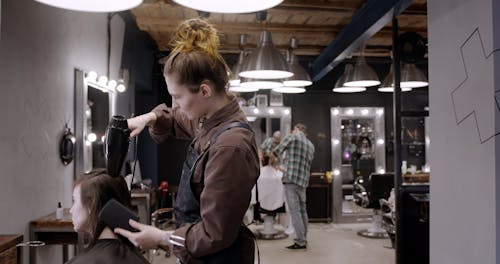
(399, 98)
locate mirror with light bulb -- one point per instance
(265, 120)
(358, 150)
(94, 105)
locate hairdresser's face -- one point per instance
(193, 105)
(79, 214)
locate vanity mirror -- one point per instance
(94, 105)
(265, 120)
(358, 149)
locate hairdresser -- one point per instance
(222, 163)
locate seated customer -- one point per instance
(271, 194)
(90, 194)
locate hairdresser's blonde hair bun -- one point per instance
(196, 34)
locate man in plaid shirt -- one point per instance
(299, 153)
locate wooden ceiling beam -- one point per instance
(164, 25)
(161, 24)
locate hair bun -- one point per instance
(196, 34)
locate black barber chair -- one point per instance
(346, 171)
(377, 187)
(268, 231)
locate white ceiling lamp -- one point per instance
(339, 85)
(240, 89)
(300, 77)
(233, 6)
(93, 5)
(265, 62)
(363, 75)
(289, 89)
(260, 84)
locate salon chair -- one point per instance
(268, 231)
(164, 217)
(346, 171)
(377, 187)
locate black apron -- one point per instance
(187, 205)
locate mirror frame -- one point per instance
(337, 114)
(282, 112)
(83, 151)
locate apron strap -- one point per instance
(217, 134)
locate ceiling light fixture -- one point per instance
(411, 77)
(234, 78)
(300, 76)
(260, 84)
(339, 85)
(363, 75)
(291, 90)
(93, 5)
(240, 89)
(233, 6)
(265, 62)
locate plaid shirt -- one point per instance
(298, 158)
(268, 144)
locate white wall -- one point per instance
(462, 128)
(40, 46)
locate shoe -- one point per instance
(297, 246)
(289, 231)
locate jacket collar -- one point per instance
(222, 114)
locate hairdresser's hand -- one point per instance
(148, 236)
(137, 124)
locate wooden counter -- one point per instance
(50, 230)
(9, 252)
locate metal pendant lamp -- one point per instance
(289, 89)
(93, 5)
(234, 78)
(300, 77)
(265, 62)
(260, 84)
(363, 75)
(388, 83)
(339, 85)
(239, 89)
(233, 6)
(412, 77)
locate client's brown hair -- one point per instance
(96, 189)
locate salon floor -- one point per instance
(327, 243)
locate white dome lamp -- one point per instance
(233, 6)
(104, 6)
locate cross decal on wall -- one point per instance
(474, 96)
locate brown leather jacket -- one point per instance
(223, 179)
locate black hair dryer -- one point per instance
(116, 145)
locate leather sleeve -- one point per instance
(171, 124)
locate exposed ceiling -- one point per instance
(315, 23)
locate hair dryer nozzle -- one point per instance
(116, 146)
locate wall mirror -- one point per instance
(358, 149)
(94, 105)
(265, 120)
